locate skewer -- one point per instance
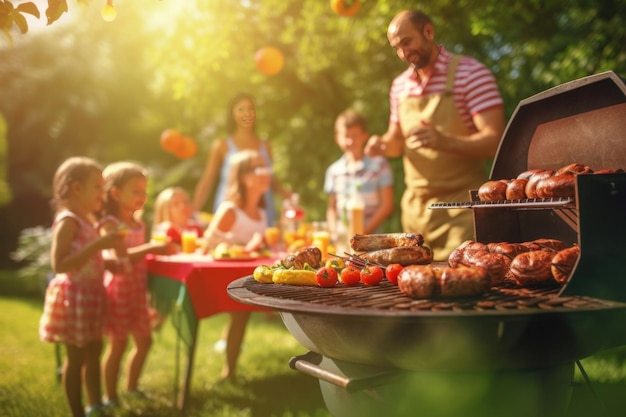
(357, 261)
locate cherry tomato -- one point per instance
(392, 271)
(371, 275)
(350, 275)
(326, 277)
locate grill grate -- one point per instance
(387, 297)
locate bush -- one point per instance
(33, 252)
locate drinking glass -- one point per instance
(189, 241)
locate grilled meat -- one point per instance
(533, 268)
(516, 189)
(372, 242)
(310, 255)
(425, 281)
(419, 281)
(493, 190)
(563, 263)
(403, 255)
(464, 281)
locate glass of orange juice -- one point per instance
(189, 241)
(321, 238)
(272, 237)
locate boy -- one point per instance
(370, 177)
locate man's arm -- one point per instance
(490, 124)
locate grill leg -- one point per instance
(605, 411)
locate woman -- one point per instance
(240, 124)
(240, 219)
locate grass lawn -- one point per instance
(29, 387)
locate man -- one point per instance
(446, 119)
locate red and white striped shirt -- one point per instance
(475, 88)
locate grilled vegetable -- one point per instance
(371, 275)
(392, 271)
(263, 273)
(350, 275)
(336, 263)
(294, 277)
(326, 276)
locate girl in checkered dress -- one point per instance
(127, 292)
(75, 298)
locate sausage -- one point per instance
(531, 185)
(456, 256)
(533, 268)
(493, 191)
(425, 281)
(419, 281)
(563, 185)
(527, 174)
(464, 281)
(516, 189)
(378, 241)
(403, 255)
(553, 245)
(495, 264)
(609, 171)
(574, 169)
(563, 264)
(511, 250)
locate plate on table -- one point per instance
(239, 259)
(186, 257)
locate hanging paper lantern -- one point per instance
(269, 60)
(345, 8)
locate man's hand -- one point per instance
(423, 136)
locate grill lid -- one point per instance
(582, 121)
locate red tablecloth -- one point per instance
(193, 287)
(206, 280)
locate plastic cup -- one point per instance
(189, 240)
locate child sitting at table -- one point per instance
(173, 213)
(240, 219)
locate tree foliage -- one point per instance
(85, 86)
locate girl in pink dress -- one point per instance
(127, 291)
(75, 299)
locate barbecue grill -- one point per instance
(512, 351)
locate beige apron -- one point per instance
(432, 176)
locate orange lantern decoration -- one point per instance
(187, 149)
(339, 7)
(171, 140)
(269, 60)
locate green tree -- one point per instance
(108, 89)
